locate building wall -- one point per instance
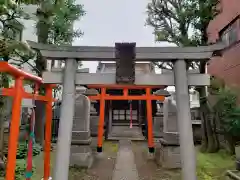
(193, 98)
(111, 67)
(226, 28)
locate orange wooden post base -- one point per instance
(14, 129)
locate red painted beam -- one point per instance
(120, 86)
(6, 67)
(129, 97)
(25, 95)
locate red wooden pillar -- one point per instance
(48, 133)
(14, 129)
(150, 121)
(101, 119)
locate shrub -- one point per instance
(23, 149)
(20, 170)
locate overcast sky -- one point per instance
(110, 21)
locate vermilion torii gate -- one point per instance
(148, 97)
(180, 78)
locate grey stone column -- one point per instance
(165, 115)
(110, 118)
(158, 123)
(66, 121)
(187, 150)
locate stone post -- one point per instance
(165, 115)
(187, 149)
(168, 150)
(81, 153)
(94, 117)
(158, 122)
(66, 121)
(110, 117)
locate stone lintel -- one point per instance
(140, 79)
(93, 53)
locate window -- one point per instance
(230, 34)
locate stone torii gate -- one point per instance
(181, 79)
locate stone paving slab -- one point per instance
(125, 167)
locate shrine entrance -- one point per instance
(124, 78)
(124, 115)
(125, 112)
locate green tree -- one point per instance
(54, 26)
(184, 23)
(11, 48)
(61, 30)
(228, 115)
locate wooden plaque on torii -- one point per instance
(125, 54)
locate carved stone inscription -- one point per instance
(81, 121)
(170, 116)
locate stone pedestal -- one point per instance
(168, 151)
(168, 148)
(81, 156)
(81, 153)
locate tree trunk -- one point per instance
(212, 145)
(215, 134)
(39, 122)
(42, 32)
(230, 144)
(204, 143)
(4, 82)
(209, 139)
(2, 164)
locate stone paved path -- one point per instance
(125, 132)
(125, 167)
